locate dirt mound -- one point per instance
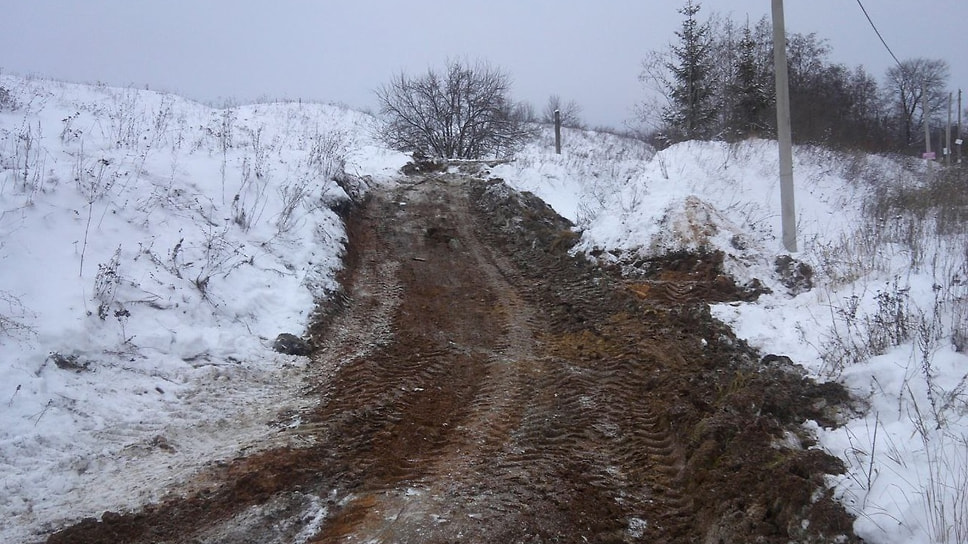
(478, 383)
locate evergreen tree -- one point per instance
(723, 52)
(751, 98)
(717, 81)
(691, 114)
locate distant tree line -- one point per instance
(716, 81)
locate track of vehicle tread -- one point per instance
(479, 382)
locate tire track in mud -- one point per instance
(546, 449)
(481, 384)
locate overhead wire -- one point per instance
(878, 32)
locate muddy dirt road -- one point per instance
(478, 384)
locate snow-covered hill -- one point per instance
(151, 249)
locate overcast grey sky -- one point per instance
(340, 50)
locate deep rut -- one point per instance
(481, 384)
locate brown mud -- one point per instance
(477, 383)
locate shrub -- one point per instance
(6, 100)
(464, 113)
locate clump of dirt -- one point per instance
(422, 164)
(523, 217)
(796, 276)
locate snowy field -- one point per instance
(888, 314)
(151, 249)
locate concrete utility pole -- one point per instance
(783, 132)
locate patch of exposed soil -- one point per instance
(687, 277)
(477, 383)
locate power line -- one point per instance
(878, 32)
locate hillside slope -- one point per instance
(151, 249)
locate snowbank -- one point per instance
(151, 249)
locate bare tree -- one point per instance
(656, 79)
(524, 111)
(463, 113)
(570, 112)
(907, 84)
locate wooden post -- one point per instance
(558, 132)
(783, 131)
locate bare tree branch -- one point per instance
(464, 113)
(907, 84)
(570, 112)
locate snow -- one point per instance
(883, 316)
(160, 245)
